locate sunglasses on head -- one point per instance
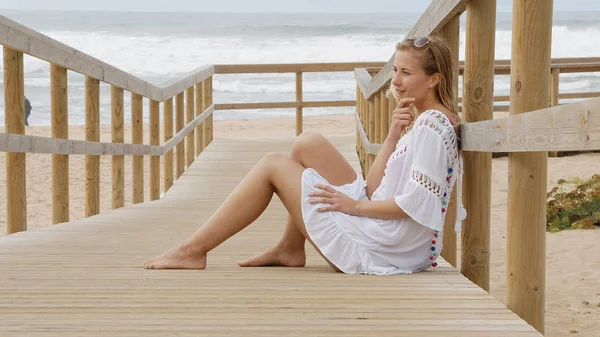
(419, 41)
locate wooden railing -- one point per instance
(528, 134)
(193, 125)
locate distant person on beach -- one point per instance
(27, 110)
(392, 223)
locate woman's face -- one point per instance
(409, 78)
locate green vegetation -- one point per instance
(575, 209)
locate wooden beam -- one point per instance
(137, 122)
(92, 134)
(168, 135)
(155, 141)
(42, 47)
(451, 33)
(14, 105)
(59, 106)
(199, 110)
(292, 68)
(118, 161)
(179, 120)
(528, 172)
(298, 103)
(568, 127)
(189, 117)
(180, 85)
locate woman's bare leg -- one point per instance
(275, 173)
(311, 150)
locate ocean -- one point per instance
(158, 47)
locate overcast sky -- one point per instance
(289, 6)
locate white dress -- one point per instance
(419, 176)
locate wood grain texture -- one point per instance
(155, 141)
(85, 278)
(92, 134)
(292, 67)
(118, 136)
(526, 234)
(59, 107)
(451, 34)
(478, 105)
(168, 134)
(189, 117)
(298, 102)
(180, 85)
(179, 124)
(14, 106)
(199, 110)
(137, 129)
(31, 42)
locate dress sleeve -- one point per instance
(425, 196)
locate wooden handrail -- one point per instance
(292, 67)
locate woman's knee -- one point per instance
(306, 141)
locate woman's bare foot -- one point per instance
(278, 256)
(177, 258)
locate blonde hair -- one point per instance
(435, 58)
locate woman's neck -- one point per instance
(430, 103)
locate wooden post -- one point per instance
(377, 118)
(14, 112)
(191, 137)
(451, 33)
(299, 103)
(371, 134)
(59, 105)
(92, 134)
(199, 111)
(180, 148)
(118, 161)
(209, 100)
(154, 140)
(384, 116)
(526, 236)
(137, 129)
(478, 105)
(358, 139)
(554, 97)
(168, 134)
(206, 125)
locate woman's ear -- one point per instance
(434, 80)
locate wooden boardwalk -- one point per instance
(85, 278)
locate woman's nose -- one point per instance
(396, 80)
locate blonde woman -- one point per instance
(391, 223)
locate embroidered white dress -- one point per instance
(419, 176)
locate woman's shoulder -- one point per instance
(435, 120)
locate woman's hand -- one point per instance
(401, 118)
(336, 200)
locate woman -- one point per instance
(389, 224)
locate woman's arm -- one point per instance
(381, 209)
(377, 169)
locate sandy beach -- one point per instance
(572, 265)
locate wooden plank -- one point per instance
(528, 172)
(554, 96)
(569, 127)
(14, 113)
(45, 48)
(298, 103)
(137, 122)
(155, 141)
(199, 110)
(84, 278)
(478, 91)
(435, 18)
(179, 124)
(180, 85)
(292, 68)
(118, 136)
(189, 115)
(168, 134)
(451, 33)
(283, 105)
(92, 134)
(363, 78)
(59, 105)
